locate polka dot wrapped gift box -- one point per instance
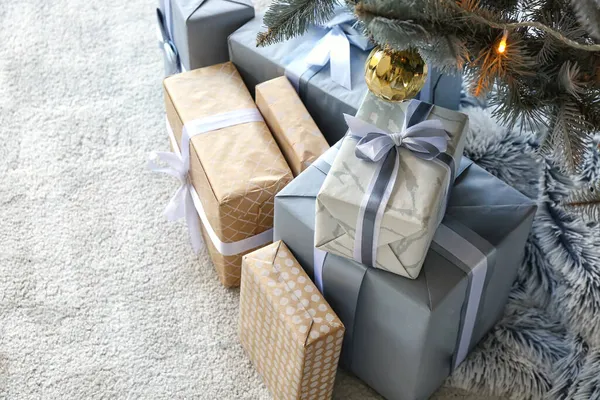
(289, 331)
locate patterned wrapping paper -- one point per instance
(298, 136)
(287, 328)
(412, 213)
(236, 171)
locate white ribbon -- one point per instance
(477, 263)
(333, 48)
(186, 203)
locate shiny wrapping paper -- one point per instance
(291, 334)
(236, 171)
(413, 210)
(298, 136)
(402, 334)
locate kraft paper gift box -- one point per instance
(404, 337)
(325, 99)
(193, 33)
(229, 164)
(298, 136)
(289, 331)
(399, 242)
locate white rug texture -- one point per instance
(100, 296)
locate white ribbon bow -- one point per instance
(334, 48)
(185, 203)
(181, 204)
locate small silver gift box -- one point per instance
(397, 234)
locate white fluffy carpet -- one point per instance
(101, 297)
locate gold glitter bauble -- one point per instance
(395, 75)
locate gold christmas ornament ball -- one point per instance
(395, 75)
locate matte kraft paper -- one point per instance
(236, 171)
(199, 28)
(325, 100)
(401, 335)
(291, 334)
(412, 212)
(298, 136)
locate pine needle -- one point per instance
(585, 201)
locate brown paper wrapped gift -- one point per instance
(290, 332)
(296, 133)
(235, 171)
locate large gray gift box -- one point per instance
(325, 100)
(404, 337)
(198, 29)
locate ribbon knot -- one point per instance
(425, 139)
(334, 48)
(397, 137)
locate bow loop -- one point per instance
(181, 204)
(334, 47)
(426, 139)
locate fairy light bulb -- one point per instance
(502, 44)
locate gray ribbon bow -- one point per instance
(426, 139)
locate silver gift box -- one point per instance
(402, 336)
(199, 29)
(325, 100)
(415, 206)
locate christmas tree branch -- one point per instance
(585, 201)
(545, 73)
(288, 18)
(470, 11)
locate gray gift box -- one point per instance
(198, 30)
(325, 100)
(404, 337)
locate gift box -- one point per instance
(384, 211)
(193, 33)
(404, 337)
(229, 165)
(298, 136)
(325, 99)
(289, 331)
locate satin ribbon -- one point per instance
(166, 43)
(172, 62)
(425, 139)
(186, 203)
(332, 48)
(455, 242)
